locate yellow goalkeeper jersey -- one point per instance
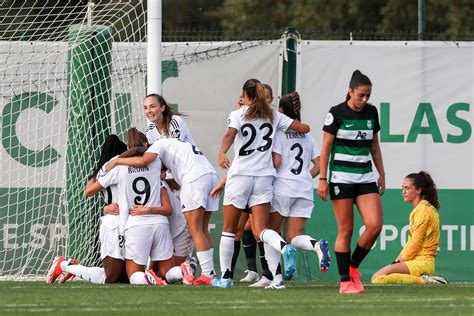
(423, 236)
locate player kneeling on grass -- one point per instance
(293, 187)
(416, 262)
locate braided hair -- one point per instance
(290, 104)
(422, 180)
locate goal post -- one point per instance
(89, 118)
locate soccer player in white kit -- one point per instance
(250, 177)
(197, 177)
(293, 186)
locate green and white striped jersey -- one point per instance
(351, 161)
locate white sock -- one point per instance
(90, 274)
(304, 242)
(272, 238)
(206, 261)
(226, 251)
(273, 259)
(174, 275)
(138, 277)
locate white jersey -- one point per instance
(177, 129)
(253, 143)
(297, 150)
(177, 220)
(136, 185)
(110, 195)
(185, 161)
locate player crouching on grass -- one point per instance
(416, 262)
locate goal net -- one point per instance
(72, 73)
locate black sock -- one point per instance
(250, 249)
(358, 255)
(343, 260)
(265, 271)
(234, 257)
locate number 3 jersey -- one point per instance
(136, 186)
(297, 150)
(253, 143)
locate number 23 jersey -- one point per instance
(253, 143)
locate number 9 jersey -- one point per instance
(253, 143)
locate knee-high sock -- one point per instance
(272, 238)
(206, 261)
(263, 261)
(174, 275)
(226, 250)
(343, 259)
(138, 277)
(273, 257)
(304, 242)
(235, 256)
(398, 278)
(250, 249)
(89, 274)
(358, 255)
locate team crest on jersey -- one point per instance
(369, 124)
(329, 119)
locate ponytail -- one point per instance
(291, 105)
(422, 180)
(258, 109)
(358, 79)
(136, 138)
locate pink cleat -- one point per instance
(349, 287)
(188, 276)
(203, 279)
(355, 278)
(55, 270)
(152, 279)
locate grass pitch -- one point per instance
(300, 298)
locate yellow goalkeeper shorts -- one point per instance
(420, 266)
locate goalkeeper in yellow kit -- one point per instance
(416, 262)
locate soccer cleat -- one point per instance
(322, 250)
(203, 280)
(152, 279)
(188, 276)
(355, 278)
(193, 264)
(348, 287)
(55, 270)
(434, 279)
(222, 283)
(251, 277)
(68, 276)
(263, 282)
(276, 286)
(289, 259)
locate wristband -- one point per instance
(323, 179)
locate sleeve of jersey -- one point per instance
(418, 233)
(376, 122)
(284, 121)
(331, 122)
(233, 120)
(154, 148)
(178, 128)
(110, 178)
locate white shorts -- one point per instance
(148, 241)
(196, 194)
(111, 243)
(183, 244)
(241, 191)
(292, 207)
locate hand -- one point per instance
(138, 210)
(222, 161)
(323, 189)
(110, 165)
(381, 185)
(217, 190)
(112, 209)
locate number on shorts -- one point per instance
(146, 190)
(253, 134)
(297, 146)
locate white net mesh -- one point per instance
(71, 74)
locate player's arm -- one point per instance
(92, 187)
(132, 152)
(112, 209)
(297, 126)
(227, 141)
(314, 171)
(217, 190)
(377, 158)
(139, 161)
(323, 187)
(418, 233)
(165, 209)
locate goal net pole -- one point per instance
(88, 121)
(154, 29)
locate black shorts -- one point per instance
(247, 209)
(338, 191)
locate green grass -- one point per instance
(300, 298)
